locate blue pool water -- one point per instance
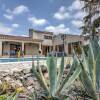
(2, 60)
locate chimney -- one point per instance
(31, 32)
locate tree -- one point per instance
(92, 19)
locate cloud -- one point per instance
(7, 16)
(58, 29)
(76, 5)
(15, 25)
(61, 14)
(5, 29)
(77, 23)
(37, 22)
(20, 9)
(16, 11)
(79, 15)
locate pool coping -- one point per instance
(18, 62)
(22, 57)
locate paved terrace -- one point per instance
(18, 66)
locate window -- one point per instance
(48, 37)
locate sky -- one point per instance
(58, 16)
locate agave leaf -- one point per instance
(10, 97)
(72, 69)
(90, 62)
(41, 74)
(60, 73)
(48, 61)
(93, 54)
(37, 75)
(98, 73)
(84, 58)
(94, 47)
(87, 83)
(15, 96)
(43, 79)
(52, 75)
(34, 95)
(73, 77)
(96, 68)
(3, 97)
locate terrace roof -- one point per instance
(21, 38)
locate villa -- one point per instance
(38, 40)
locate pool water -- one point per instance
(2, 60)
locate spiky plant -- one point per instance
(90, 64)
(11, 96)
(56, 84)
(14, 96)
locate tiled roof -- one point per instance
(21, 38)
(44, 32)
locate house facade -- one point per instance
(67, 42)
(37, 41)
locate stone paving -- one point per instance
(18, 66)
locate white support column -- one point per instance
(0, 48)
(66, 48)
(23, 51)
(40, 47)
(22, 46)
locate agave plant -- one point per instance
(14, 96)
(57, 84)
(90, 73)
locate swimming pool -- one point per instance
(3, 60)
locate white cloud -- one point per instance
(7, 16)
(37, 22)
(61, 14)
(58, 29)
(20, 9)
(5, 30)
(15, 25)
(16, 11)
(79, 15)
(77, 23)
(76, 5)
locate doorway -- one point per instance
(13, 49)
